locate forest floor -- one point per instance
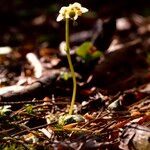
(111, 58)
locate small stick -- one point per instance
(35, 62)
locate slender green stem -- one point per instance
(71, 68)
(67, 36)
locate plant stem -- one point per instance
(71, 68)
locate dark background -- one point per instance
(18, 27)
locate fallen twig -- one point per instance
(35, 90)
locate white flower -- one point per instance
(72, 11)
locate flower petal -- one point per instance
(63, 9)
(75, 17)
(76, 5)
(59, 18)
(84, 10)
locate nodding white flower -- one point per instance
(72, 11)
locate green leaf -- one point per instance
(83, 49)
(65, 75)
(88, 52)
(29, 108)
(68, 119)
(96, 54)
